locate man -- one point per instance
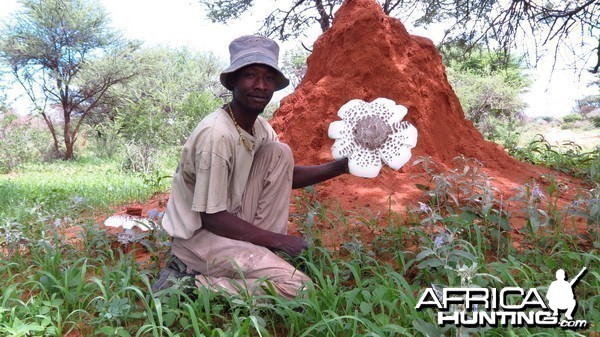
(228, 210)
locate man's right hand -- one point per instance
(228, 225)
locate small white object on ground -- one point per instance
(129, 221)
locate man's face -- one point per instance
(254, 86)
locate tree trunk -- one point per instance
(324, 19)
(67, 134)
(68, 151)
(386, 7)
(56, 145)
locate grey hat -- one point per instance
(252, 49)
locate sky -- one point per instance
(176, 23)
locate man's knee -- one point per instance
(291, 285)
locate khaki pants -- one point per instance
(234, 265)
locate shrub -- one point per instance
(572, 118)
(105, 139)
(596, 121)
(20, 142)
(139, 157)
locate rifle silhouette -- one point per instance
(576, 278)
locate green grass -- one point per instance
(53, 286)
(65, 187)
(572, 151)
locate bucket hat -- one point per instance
(253, 49)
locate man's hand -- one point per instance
(310, 175)
(292, 245)
(230, 226)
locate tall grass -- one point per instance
(569, 158)
(53, 286)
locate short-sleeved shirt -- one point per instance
(212, 172)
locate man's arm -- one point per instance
(230, 226)
(310, 175)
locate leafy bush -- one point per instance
(20, 142)
(194, 107)
(571, 118)
(488, 85)
(596, 121)
(484, 96)
(175, 89)
(106, 140)
(503, 131)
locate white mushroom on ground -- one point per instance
(372, 133)
(127, 221)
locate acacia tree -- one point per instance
(65, 56)
(572, 26)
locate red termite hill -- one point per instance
(367, 54)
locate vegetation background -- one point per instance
(109, 116)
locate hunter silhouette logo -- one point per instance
(560, 294)
(481, 307)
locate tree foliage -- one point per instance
(174, 90)
(293, 63)
(284, 23)
(566, 29)
(489, 91)
(160, 106)
(3, 92)
(66, 58)
(562, 26)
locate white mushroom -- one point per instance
(370, 133)
(128, 222)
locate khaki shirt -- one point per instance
(212, 172)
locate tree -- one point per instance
(489, 92)
(556, 27)
(294, 65)
(66, 58)
(284, 23)
(158, 108)
(4, 86)
(590, 103)
(174, 90)
(571, 26)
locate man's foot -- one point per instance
(176, 264)
(167, 277)
(174, 274)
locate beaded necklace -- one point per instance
(247, 144)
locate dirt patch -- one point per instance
(147, 210)
(587, 139)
